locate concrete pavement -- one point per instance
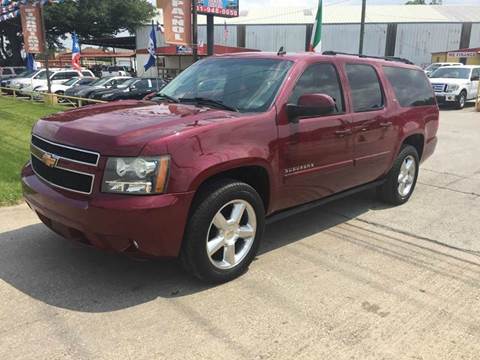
(351, 280)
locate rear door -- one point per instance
(374, 136)
(317, 152)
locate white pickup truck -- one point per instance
(455, 85)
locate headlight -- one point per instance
(141, 176)
(452, 87)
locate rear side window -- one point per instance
(411, 86)
(7, 72)
(366, 89)
(319, 79)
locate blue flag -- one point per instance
(152, 49)
(31, 64)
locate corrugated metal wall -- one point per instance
(345, 38)
(475, 36)
(272, 37)
(219, 35)
(416, 42)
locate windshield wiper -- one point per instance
(168, 97)
(211, 102)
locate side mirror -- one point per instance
(475, 78)
(311, 105)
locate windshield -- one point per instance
(101, 82)
(248, 85)
(433, 67)
(127, 83)
(452, 73)
(70, 82)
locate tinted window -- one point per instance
(365, 86)
(18, 71)
(476, 72)
(319, 79)
(411, 87)
(7, 72)
(142, 84)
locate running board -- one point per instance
(283, 214)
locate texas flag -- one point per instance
(75, 53)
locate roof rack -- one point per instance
(388, 58)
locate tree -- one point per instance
(88, 18)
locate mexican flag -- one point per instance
(316, 41)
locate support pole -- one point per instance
(362, 27)
(45, 54)
(194, 31)
(210, 34)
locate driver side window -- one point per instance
(319, 79)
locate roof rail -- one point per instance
(388, 58)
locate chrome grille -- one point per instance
(45, 158)
(439, 87)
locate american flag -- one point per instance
(225, 31)
(75, 53)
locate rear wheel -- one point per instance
(224, 231)
(402, 178)
(462, 99)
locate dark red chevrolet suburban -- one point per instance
(232, 140)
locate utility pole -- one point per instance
(362, 27)
(45, 54)
(194, 31)
(210, 34)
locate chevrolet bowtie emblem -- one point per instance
(49, 160)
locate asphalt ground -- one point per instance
(351, 280)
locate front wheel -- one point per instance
(223, 232)
(402, 178)
(462, 98)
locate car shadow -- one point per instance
(68, 275)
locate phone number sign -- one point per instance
(221, 8)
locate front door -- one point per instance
(474, 83)
(374, 135)
(316, 155)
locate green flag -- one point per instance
(316, 41)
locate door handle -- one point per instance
(386, 124)
(343, 133)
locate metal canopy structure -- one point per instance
(126, 42)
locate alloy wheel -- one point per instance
(231, 234)
(406, 177)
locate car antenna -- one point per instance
(281, 51)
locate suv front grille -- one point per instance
(45, 158)
(439, 87)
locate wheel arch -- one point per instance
(256, 174)
(416, 140)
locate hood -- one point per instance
(123, 128)
(448, 81)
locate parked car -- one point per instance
(430, 69)
(73, 82)
(115, 71)
(454, 85)
(57, 76)
(103, 83)
(231, 140)
(9, 72)
(8, 81)
(135, 88)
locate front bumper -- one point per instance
(444, 98)
(147, 225)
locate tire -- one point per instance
(230, 254)
(392, 191)
(462, 99)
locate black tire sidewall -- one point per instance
(390, 188)
(194, 251)
(461, 105)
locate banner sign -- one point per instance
(32, 29)
(221, 8)
(462, 54)
(177, 21)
